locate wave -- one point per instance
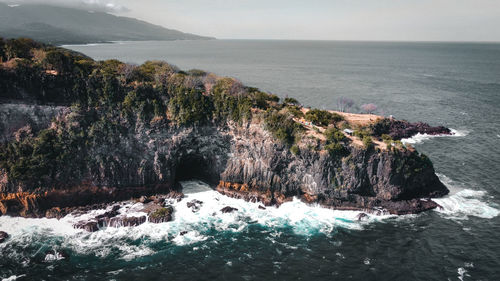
(462, 203)
(13, 277)
(419, 138)
(187, 227)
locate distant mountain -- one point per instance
(60, 25)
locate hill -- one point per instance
(61, 25)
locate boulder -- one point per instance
(3, 236)
(90, 226)
(228, 209)
(195, 205)
(161, 215)
(362, 216)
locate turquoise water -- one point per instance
(451, 84)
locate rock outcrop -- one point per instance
(401, 129)
(242, 161)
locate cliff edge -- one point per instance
(120, 131)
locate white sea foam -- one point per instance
(419, 138)
(187, 227)
(13, 277)
(462, 203)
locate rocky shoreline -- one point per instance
(120, 132)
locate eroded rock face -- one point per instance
(243, 161)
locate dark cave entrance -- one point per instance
(196, 167)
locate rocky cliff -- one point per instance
(243, 161)
(122, 131)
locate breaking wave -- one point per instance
(419, 138)
(462, 203)
(187, 227)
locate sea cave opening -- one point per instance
(196, 167)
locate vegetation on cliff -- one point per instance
(109, 99)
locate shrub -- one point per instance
(190, 107)
(368, 143)
(322, 117)
(282, 127)
(291, 101)
(295, 150)
(336, 150)
(334, 135)
(295, 111)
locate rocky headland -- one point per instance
(120, 131)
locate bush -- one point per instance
(336, 150)
(291, 101)
(282, 127)
(295, 150)
(334, 135)
(368, 143)
(190, 107)
(322, 117)
(295, 111)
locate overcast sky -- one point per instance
(414, 20)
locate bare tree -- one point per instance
(369, 108)
(209, 81)
(344, 104)
(127, 71)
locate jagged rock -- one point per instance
(3, 236)
(400, 129)
(182, 233)
(175, 195)
(90, 226)
(362, 216)
(126, 221)
(56, 213)
(144, 199)
(262, 207)
(228, 209)
(161, 215)
(113, 213)
(195, 205)
(243, 161)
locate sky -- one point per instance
(371, 20)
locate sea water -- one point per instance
(451, 84)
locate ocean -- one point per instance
(452, 84)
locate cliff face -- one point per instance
(242, 161)
(123, 131)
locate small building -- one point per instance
(348, 131)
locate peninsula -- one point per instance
(77, 132)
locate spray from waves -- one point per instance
(419, 138)
(187, 227)
(462, 203)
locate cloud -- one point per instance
(91, 5)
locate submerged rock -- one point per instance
(228, 209)
(195, 205)
(3, 236)
(362, 216)
(55, 255)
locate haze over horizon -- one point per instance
(363, 20)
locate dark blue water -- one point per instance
(451, 84)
